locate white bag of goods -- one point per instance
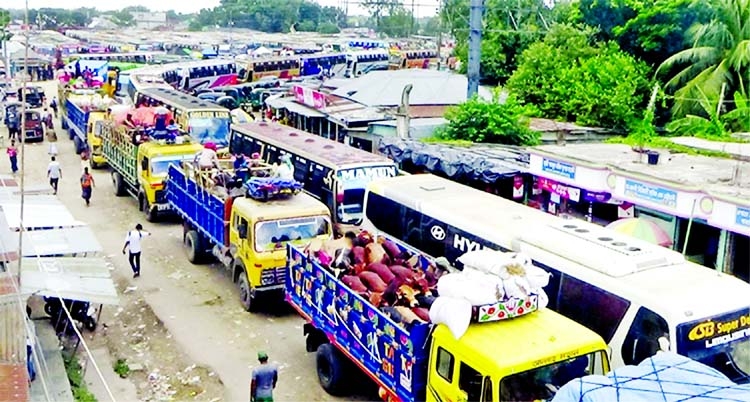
(453, 313)
(473, 286)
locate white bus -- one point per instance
(630, 292)
(363, 61)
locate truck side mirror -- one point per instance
(242, 231)
(144, 164)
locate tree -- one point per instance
(397, 24)
(123, 18)
(477, 120)
(328, 28)
(711, 124)
(4, 21)
(719, 57)
(568, 76)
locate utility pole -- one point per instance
(476, 11)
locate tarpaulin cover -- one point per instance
(484, 163)
(664, 377)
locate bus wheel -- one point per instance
(331, 367)
(246, 292)
(118, 184)
(194, 249)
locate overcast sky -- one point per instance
(424, 8)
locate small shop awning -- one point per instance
(40, 212)
(75, 242)
(84, 279)
(293, 107)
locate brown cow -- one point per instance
(372, 281)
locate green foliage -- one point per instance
(569, 77)
(4, 18)
(121, 368)
(77, 384)
(477, 120)
(720, 56)
(123, 18)
(666, 143)
(399, 23)
(714, 127)
(328, 28)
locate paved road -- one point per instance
(198, 305)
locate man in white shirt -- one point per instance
(54, 172)
(133, 245)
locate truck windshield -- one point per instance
(722, 342)
(160, 165)
(273, 235)
(210, 129)
(541, 383)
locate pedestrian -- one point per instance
(85, 160)
(52, 148)
(53, 106)
(13, 156)
(14, 125)
(54, 172)
(133, 245)
(87, 183)
(264, 380)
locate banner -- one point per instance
(309, 97)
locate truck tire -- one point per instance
(194, 247)
(152, 215)
(63, 123)
(78, 144)
(246, 292)
(331, 366)
(118, 184)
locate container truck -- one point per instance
(80, 107)
(140, 168)
(247, 235)
(521, 358)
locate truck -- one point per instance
(140, 168)
(247, 235)
(521, 358)
(80, 107)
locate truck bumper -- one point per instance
(98, 159)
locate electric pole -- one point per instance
(476, 11)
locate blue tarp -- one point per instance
(664, 377)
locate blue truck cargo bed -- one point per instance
(202, 209)
(77, 119)
(387, 353)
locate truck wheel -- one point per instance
(118, 184)
(151, 213)
(194, 247)
(331, 369)
(79, 145)
(246, 292)
(64, 124)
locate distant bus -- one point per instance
(363, 61)
(323, 63)
(140, 79)
(334, 173)
(414, 59)
(127, 57)
(202, 74)
(204, 121)
(280, 67)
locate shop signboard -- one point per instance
(559, 168)
(651, 193)
(567, 192)
(309, 97)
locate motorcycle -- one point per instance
(80, 311)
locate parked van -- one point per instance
(638, 296)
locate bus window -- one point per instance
(300, 168)
(642, 340)
(383, 213)
(590, 306)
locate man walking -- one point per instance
(264, 380)
(87, 182)
(133, 244)
(54, 172)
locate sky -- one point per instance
(423, 8)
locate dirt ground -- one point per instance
(179, 326)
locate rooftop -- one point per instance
(719, 176)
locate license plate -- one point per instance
(162, 207)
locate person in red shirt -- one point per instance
(87, 183)
(13, 156)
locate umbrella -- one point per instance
(643, 229)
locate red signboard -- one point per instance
(309, 97)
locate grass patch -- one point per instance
(438, 140)
(75, 377)
(121, 368)
(665, 143)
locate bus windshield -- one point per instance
(273, 235)
(350, 208)
(721, 342)
(213, 129)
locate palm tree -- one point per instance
(720, 56)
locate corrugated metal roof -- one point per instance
(40, 212)
(430, 87)
(66, 241)
(12, 332)
(86, 279)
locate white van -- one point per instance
(630, 292)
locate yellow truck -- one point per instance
(247, 235)
(140, 168)
(524, 358)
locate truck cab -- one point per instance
(259, 233)
(94, 139)
(522, 359)
(153, 160)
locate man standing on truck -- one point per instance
(264, 380)
(133, 244)
(54, 172)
